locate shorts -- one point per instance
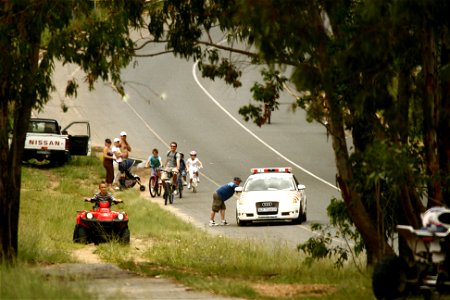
(165, 175)
(218, 204)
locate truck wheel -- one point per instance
(389, 278)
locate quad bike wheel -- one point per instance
(124, 236)
(80, 235)
(442, 283)
(389, 278)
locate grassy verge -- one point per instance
(51, 197)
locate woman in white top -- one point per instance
(117, 158)
(193, 164)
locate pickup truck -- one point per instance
(46, 141)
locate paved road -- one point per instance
(166, 101)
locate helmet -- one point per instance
(193, 152)
(436, 216)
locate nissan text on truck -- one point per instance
(46, 141)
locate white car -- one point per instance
(271, 194)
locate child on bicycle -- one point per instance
(154, 162)
(193, 164)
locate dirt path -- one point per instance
(115, 283)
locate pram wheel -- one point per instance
(142, 188)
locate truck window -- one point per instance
(42, 127)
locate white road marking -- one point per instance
(253, 134)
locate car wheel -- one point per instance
(389, 278)
(303, 216)
(125, 236)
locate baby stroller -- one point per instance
(127, 179)
(428, 274)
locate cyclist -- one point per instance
(172, 164)
(183, 168)
(153, 162)
(193, 164)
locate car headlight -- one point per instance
(89, 215)
(120, 217)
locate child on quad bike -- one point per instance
(103, 196)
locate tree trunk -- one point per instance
(430, 105)
(374, 241)
(11, 156)
(444, 127)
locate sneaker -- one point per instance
(212, 223)
(224, 223)
(189, 186)
(117, 188)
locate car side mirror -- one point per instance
(301, 187)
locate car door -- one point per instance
(79, 137)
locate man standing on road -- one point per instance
(221, 195)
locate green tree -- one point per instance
(373, 70)
(34, 34)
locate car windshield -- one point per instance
(269, 182)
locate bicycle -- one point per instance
(169, 188)
(195, 181)
(154, 185)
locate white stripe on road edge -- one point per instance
(254, 135)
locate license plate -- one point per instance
(267, 209)
(43, 152)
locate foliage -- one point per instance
(338, 241)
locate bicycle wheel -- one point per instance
(152, 186)
(171, 195)
(158, 188)
(180, 187)
(167, 193)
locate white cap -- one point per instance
(123, 133)
(116, 140)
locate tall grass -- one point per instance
(22, 282)
(51, 197)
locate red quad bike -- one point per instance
(428, 274)
(101, 224)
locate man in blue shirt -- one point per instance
(221, 195)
